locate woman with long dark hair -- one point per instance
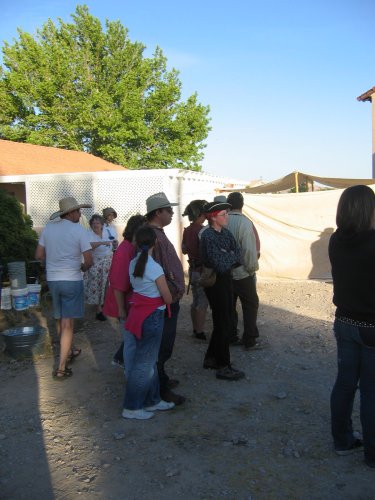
(143, 331)
(352, 256)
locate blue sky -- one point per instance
(281, 77)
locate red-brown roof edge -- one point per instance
(367, 95)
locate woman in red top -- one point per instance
(116, 302)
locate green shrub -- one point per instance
(18, 240)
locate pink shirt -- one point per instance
(118, 278)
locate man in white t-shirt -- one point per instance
(62, 245)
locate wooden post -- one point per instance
(296, 181)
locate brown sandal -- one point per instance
(61, 374)
(74, 353)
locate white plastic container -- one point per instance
(20, 299)
(6, 299)
(34, 295)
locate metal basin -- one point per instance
(25, 341)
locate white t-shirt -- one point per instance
(109, 231)
(64, 242)
(101, 250)
(146, 285)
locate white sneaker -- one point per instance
(162, 406)
(138, 414)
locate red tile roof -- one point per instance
(18, 158)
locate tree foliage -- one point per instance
(77, 86)
(18, 240)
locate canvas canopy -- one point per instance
(294, 179)
(294, 231)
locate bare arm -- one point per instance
(120, 301)
(95, 244)
(87, 260)
(40, 253)
(161, 283)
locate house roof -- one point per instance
(18, 158)
(367, 95)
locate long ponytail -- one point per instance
(145, 238)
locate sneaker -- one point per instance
(117, 362)
(356, 446)
(256, 346)
(162, 406)
(137, 414)
(171, 397)
(229, 373)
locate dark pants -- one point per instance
(356, 363)
(246, 291)
(220, 300)
(119, 356)
(167, 343)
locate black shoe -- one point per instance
(172, 383)
(200, 336)
(356, 446)
(100, 316)
(235, 341)
(210, 364)
(370, 463)
(229, 373)
(172, 397)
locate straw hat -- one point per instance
(158, 200)
(109, 210)
(68, 205)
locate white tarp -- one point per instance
(294, 231)
(289, 181)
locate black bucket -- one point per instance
(25, 341)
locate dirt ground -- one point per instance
(264, 437)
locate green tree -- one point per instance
(77, 86)
(18, 239)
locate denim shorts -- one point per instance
(67, 299)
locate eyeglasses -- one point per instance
(224, 214)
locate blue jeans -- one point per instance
(356, 363)
(142, 380)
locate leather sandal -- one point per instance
(74, 353)
(62, 374)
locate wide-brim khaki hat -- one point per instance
(157, 201)
(109, 210)
(68, 205)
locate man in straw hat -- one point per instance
(62, 245)
(159, 215)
